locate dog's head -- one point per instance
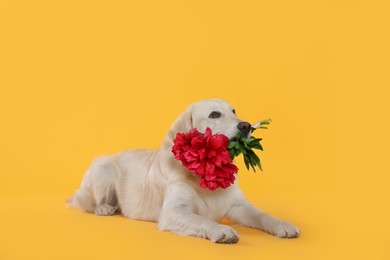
(216, 114)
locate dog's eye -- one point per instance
(234, 111)
(215, 114)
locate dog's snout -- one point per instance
(244, 128)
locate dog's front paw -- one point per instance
(223, 234)
(284, 229)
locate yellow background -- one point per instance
(84, 78)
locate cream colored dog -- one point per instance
(154, 186)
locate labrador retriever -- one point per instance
(154, 186)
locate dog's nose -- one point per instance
(244, 128)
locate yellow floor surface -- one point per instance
(43, 228)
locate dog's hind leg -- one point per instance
(104, 187)
(97, 191)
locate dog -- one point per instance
(154, 186)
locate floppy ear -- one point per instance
(186, 119)
(182, 124)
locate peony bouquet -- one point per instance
(211, 156)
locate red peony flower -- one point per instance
(207, 156)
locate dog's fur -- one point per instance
(154, 186)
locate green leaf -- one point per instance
(246, 161)
(231, 144)
(256, 159)
(249, 139)
(256, 140)
(243, 150)
(252, 165)
(257, 146)
(251, 153)
(266, 121)
(232, 153)
(261, 168)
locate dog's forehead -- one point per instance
(211, 105)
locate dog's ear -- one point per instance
(188, 121)
(183, 124)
